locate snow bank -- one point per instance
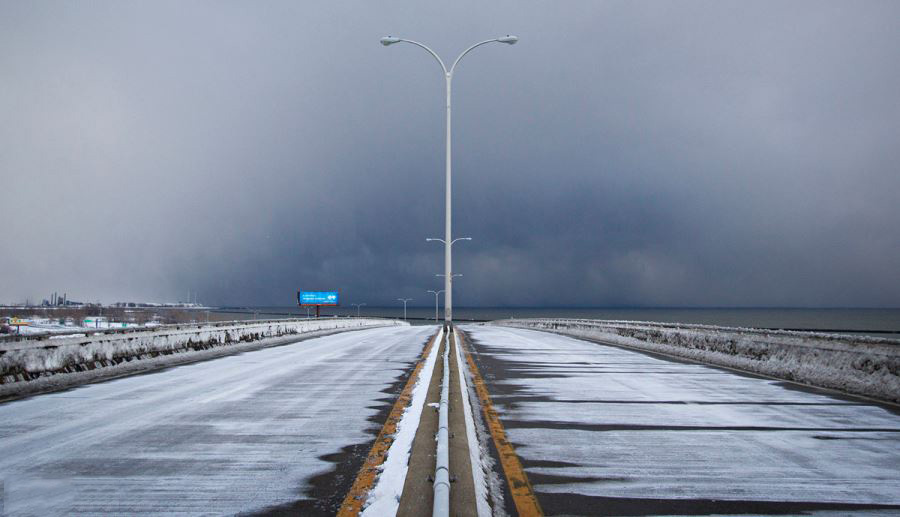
(859, 365)
(477, 456)
(384, 498)
(24, 358)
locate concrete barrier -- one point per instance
(441, 502)
(29, 359)
(858, 365)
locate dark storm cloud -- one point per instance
(691, 153)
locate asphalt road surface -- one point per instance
(282, 429)
(603, 430)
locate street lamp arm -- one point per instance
(433, 53)
(429, 239)
(473, 47)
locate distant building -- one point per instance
(95, 322)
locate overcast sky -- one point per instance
(622, 154)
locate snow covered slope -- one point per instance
(859, 365)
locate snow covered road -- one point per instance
(602, 430)
(281, 428)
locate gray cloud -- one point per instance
(694, 153)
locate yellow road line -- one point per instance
(365, 479)
(519, 487)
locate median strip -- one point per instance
(441, 505)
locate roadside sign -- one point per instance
(318, 298)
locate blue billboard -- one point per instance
(318, 297)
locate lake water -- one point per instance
(878, 322)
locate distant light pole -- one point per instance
(429, 239)
(448, 242)
(357, 305)
(436, 293)
(445, 283)
(404, 300)
(448, 279)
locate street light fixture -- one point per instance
(404, 300)
(357, 305)
(448, 241)
(435, 239)
(429, 239)
(436, 293)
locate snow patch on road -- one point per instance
(605, 421)
(384, 498)
(247, 434)
(859, 365)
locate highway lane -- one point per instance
(281, 429)
(603, 430)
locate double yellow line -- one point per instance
(519, 487)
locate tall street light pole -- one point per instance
(404, 300)
(357, 305)
(436, 293)
(448, 241)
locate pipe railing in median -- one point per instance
(441, 506)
